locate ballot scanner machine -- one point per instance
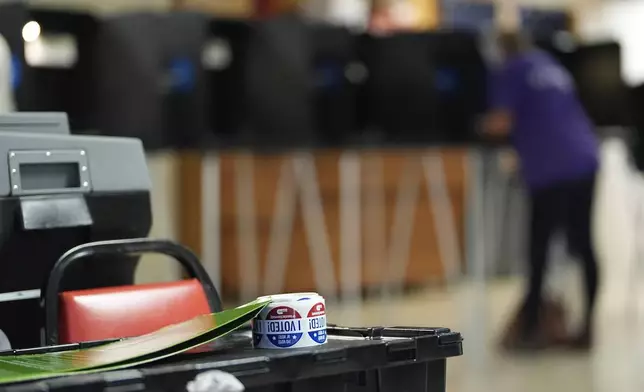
(58, 191)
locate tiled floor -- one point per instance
(615, 364)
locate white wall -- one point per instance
(596, 21)
(547, 4)
(622, 21)
(507, 14)
(104, 6)
(354, 13)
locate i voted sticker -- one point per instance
(291, 321)
(282, 327)
(317, 323)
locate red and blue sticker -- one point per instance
(317, 323)
(282, 327)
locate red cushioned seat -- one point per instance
(117, 312)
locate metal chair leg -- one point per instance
(211, 207)
(402, 229)
(281, 231)
(315, 225)
(443, 212)
(351, 232)
(246, 227)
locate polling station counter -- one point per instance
(354, 359)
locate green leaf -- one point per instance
(157, 345)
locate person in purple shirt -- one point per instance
(533, 102)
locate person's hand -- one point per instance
(497, 124)
(508, 162)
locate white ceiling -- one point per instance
(105, 6)
(621, 21)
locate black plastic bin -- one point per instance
(397, 359)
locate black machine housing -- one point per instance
(58, 191)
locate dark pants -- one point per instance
(564, 207)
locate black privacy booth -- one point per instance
(460, 82)
(13, 16)
(280, 83)
(224, 59)
(150, 80)
(65, 84)
(636, 109)
(183, 80)
(338, 78)
(58, 191)
(399, 97)
(423, 88)
(597, 71)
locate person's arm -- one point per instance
(499, 120)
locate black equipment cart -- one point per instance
(401, 359)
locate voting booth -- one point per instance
(460, 83)
(150, 81)
(279, 87)
(338, 77)
(281, 82)
(224, 58)
(399, 92)
(63, 83)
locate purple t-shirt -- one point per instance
(552, 134)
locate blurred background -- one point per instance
(332, 145)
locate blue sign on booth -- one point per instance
(16, 71)
(330, 75)
(182, 75)
(446, 80)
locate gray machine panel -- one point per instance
(51, 123)
(48, 172)
(114, 164)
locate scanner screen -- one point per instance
(49, 176)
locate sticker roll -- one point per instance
(291, 321)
